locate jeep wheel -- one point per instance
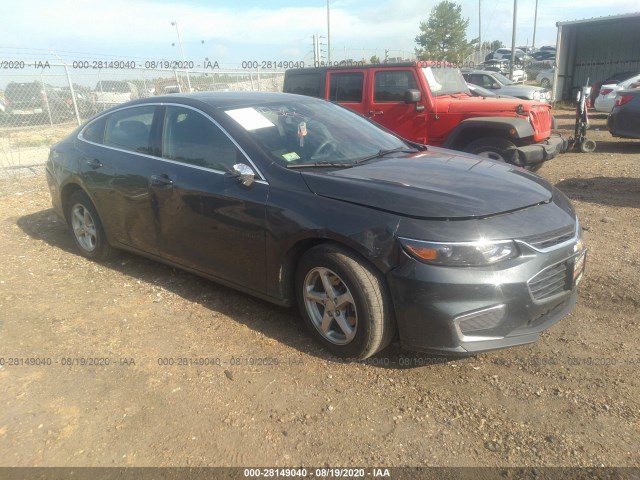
(494, 148)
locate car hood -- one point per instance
(519, 89)
(435, 184)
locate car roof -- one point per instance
(227, 99)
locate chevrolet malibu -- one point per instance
(299, 201)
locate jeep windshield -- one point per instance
(445, 81)
(306, 132)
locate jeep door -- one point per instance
(386, 103)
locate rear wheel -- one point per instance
(344, 302)
(545, 83)
(495, 148)
(86, 228)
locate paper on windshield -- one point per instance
(249, 118)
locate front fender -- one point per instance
(501, 125)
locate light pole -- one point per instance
(328, 35)
(184, 61)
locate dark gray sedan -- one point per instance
(300, 201)
(624, 119)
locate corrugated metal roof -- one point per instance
(599, 19)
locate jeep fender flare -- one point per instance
(461, 135)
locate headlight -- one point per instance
(537, 95)
(463, 254)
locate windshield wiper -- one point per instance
(382, 153)
(320, 163)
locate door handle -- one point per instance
(161, 181)
(93, 162)
(375, 112)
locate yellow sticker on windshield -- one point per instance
(290, 157)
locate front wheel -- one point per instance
(495, 148)
(344, 302)
(545, 83)
(86, 228)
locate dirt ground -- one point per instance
(91, 369)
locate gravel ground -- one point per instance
(255, 390)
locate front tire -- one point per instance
(545, 83)
(344, 302)
(495, 148)
(86, 228)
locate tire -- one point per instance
(495, 148)
(86, 228)
(361, 322)
(587, 146)
(535, 167)
(545, 83)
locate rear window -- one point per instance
(303, 84)
(346, 87)
(23, 89)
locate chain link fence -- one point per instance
(42, 104)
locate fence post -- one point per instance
(46, 98)
(73, 95)
(175, 72)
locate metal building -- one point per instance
(593, 49)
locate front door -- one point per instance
(207, 219)
(387, 104)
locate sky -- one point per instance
(232, 32)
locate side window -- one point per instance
(130, 129)
(346, 87)
(95, 130)
(389, 86)
(303, 84)
(190, 137)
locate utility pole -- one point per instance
(328, 35)
(535, 22)
(480, 31)
(513, 39)
(184, 61)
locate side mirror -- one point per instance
(244, 173)
(413, 96)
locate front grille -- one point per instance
(549, 239)
(551, 281)
(541, 120)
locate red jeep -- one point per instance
(429, 102)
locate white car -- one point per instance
(545, 77)
(606, 99)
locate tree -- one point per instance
(374, 59)
(444, 35)
(492, 46)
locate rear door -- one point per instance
(386, 103)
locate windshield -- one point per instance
(445, 81)
(502, 79)
(308, 132)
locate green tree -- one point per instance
(374, 59)
(492, 46)
(444, 35)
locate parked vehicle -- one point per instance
(544, 55)
(606, 98)
(505, 53)
(84, 98)
(296, 200)
(503, 86)
(430, 103)
(114, 92)
(36, 102)
(478, 91)
(612, 80)
(503, 67)
(545, 77)
(624, 119)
